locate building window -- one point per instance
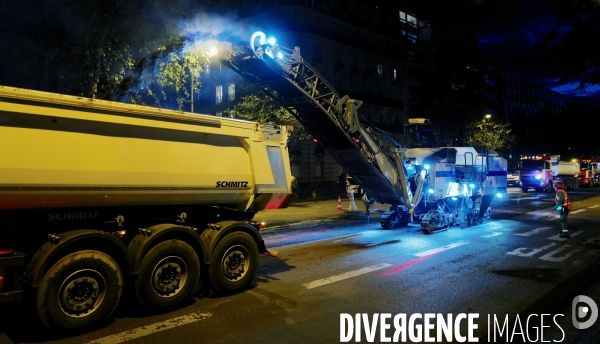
(411, 37)
(219, 94)
(379, 70)
(219, 113)
(407, 18)
(231, 92)
(395, 75)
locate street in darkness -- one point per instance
(332, 262)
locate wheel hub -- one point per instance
(82, 293)
(235, 263)
(169, 276)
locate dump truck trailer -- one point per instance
(97, 197)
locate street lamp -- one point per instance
(486, 117)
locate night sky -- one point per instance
(511, 30)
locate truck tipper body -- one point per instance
(98, 196)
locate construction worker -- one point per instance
(562, 204)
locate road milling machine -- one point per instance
(439, 186)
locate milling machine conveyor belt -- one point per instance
(324, 114)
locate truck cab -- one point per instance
(588, 174)
(535, 172)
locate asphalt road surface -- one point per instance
(332, 265)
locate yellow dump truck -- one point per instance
(98, 196)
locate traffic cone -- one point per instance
(339, 208)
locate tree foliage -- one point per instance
(263, 109)
(490, 134)
(166, 78)
(574, 42)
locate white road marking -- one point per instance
(491, 235)
(549, 256)
(594, 206)
(577, 211)
(533, 232)
(306, 242)
(440, 249)
(152, 328)
(345, 275)
(558, 238)
(528, 252)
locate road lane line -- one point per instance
(577, 211)
(440, 249)
(152, 328)
(594, 206)
(491, 235)
(533, 232)
(345, 275)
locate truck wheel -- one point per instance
(233, 263)
(168, 276)
(79, 291)
(524, 189)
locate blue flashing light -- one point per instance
(280, 55)
(454, 198)
(499, 194)
(426, 166)
(472, 185)
(430, 191)
(271, 40)
(538, 176)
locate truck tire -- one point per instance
(524, 189)
(168, 276)
(79, 291)
(234, 263)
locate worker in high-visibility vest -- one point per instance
(562, 204)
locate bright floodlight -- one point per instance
(271, 40)
(212, 51)
(280, 55)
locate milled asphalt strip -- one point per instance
(152, 328)
(350, 274)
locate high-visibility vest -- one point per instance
(566, 202)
